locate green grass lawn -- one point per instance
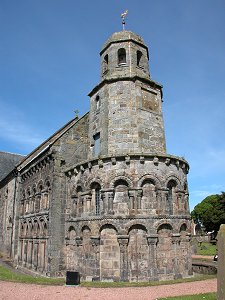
(98, 284)
(210, 296)
(206, 249)
(8, 275)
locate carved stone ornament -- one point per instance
(95, 240)
(79, 241)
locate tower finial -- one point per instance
(76, 114)
(123, 16)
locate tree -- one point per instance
(210, 212)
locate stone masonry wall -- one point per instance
(140, 230)
(129, 119)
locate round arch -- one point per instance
(174, 178)
(150, 177)
(121, 178)
(108, 225)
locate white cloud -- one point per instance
(14, 129)
(196, 196)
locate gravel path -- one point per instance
(18, 291)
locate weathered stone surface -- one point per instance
(221, 263)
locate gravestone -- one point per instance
(221, 263)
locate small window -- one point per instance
(121, 56)
(139, 58)
(97, 201)
(105, 63)
(97, 144)
(106, 59)
(96, 193)
(97, 101)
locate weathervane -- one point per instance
(123, 16)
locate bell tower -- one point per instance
(126, 106)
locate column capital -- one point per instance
(176, 238)
(123, 241)
(152, 239)
(79, 241)
(95, 240)
(139, 192)
(131, 193)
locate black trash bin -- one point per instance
(72, 278)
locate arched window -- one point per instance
(105, 63)
(148, 201)
(37, 202)
(121, 198)
(106, 59)
(97, 144)
(97, 101)
(45, 230)
(97, 201)
(122, 56)
(28, 202)
(21, 230)
(96, 191)
(170, 198)
(139, 58)
(71, 233)
(22, 207)
(78, 204)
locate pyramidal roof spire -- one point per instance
(123, 16)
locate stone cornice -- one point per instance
(152, 83)
(36, 166)
(127, 218)
(156, 159)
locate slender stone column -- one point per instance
(95, 241)
(164, 206)
(74, 207)
(103, 206)
(152, 241)
(221, 263)
(132, 200)
(25, 252)
(186, 203)
(42, 255)
(110, 199)
(79, 243)
(139, 196)
(189, 258)
(176, 243)
(88, 204)
(30, 250)
(35, 259)
(123, 243)
(84, 204)
(20, 251)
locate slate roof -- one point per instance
(8, 161)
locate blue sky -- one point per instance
(49, 62)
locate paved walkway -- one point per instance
(18, 291)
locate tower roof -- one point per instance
(123, 36)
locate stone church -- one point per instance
(101, 196)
